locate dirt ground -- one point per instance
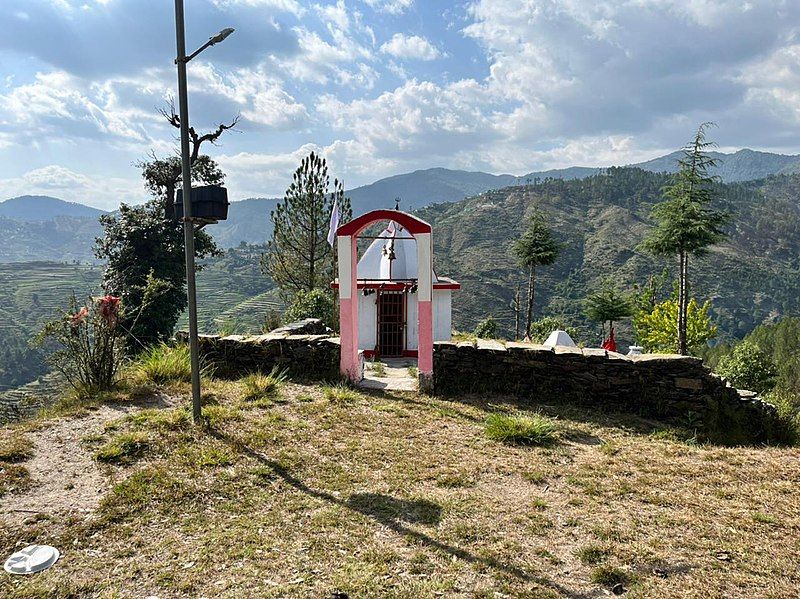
(65, 481)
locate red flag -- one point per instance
(610, 343)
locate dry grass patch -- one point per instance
(124, 448)
(15, 446)
(340, 393)
(400, 495)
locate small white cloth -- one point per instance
(335, 216)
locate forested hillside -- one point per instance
(752, 278)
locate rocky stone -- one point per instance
(684, 383)
(306, 357)
(309, 326)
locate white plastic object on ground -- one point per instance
(560, 338)
(34, 558)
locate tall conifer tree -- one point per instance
(298, 256)
(685, 223)
(535, 248)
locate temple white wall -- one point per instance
(368, 319)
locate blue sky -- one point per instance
(387, 86)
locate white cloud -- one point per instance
(417, 118)
(392, 7)
(410, 46)
(774, 84)
(252, 174)
(335, 15)
(259, 96)
(290, 6)
(342, 60)
(98, 191)
(56, 102)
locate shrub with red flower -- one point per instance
(85, 343)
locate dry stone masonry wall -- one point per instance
(678, 390)
(308, 357)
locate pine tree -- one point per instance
(685, 224)
(298, 256)
(608, 304)
(535, 248)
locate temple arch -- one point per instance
(347, 246)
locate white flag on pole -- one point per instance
(334, 223)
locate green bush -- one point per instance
(747, 367)
(521, 429)
(486, 329)
(310, 304)
(161, 364)
(788, 406)
(781, 342)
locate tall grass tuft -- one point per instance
(259, 386)
(162, 364)
(521, 429)
(339, 393)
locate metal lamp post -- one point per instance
(186, 174)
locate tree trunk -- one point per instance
(516, 314)
(682, 304)
(529, 317)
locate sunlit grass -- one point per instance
(521, 429)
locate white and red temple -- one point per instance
(392, 303)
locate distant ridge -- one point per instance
(743, 165)
(44, 208)
(29, 236)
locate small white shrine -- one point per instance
(387, 303)
(387, 284)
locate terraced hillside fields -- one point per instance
(30, 293)
(233, 296)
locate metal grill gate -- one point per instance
(391, 323)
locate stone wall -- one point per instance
(677, 390)
(307, 357)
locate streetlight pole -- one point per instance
(186, 175)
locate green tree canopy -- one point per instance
(608, 304)
(747, 367)
(536, 247)
(298, 256)
(486, 328)
(685, 222)
(310, 304)
(145, 267)
(657, 330)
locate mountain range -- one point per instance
(45, 228)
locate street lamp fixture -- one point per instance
(186, 175)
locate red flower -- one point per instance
(109, 309)
(75, 320)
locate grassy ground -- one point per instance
(309, 491)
